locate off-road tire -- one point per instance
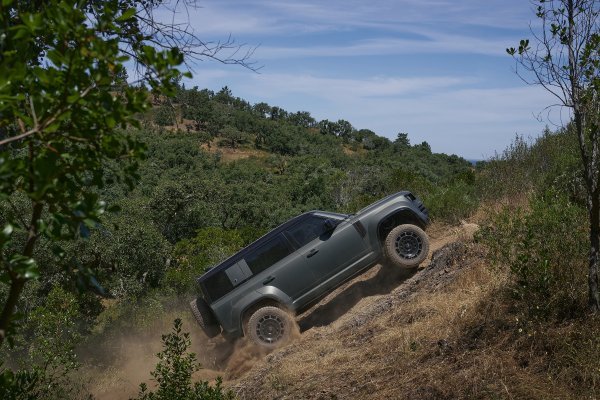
(205, 317)
(406, 246)
(270, 327)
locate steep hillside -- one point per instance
(362, 340)
(346, 309)
(441, 333)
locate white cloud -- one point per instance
(242, 17)
(434, 44)
(334, 89)
(453, 111)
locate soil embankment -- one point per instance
(353, 341)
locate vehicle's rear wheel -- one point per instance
(205, 317)
(269, 326)
(406, 246)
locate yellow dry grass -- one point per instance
(372, 360)
(447, 332)
(228, 154)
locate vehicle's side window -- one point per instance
(268, 254)
(238, 272)
(218, 285)
(307, 230)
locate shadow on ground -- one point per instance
(386, 280)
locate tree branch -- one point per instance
(37, 128)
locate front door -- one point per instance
(327, 245)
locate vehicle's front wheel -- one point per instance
(269, 326)
(406, 246)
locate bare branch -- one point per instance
(181, 35)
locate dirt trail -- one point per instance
(338, 306)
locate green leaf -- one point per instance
(24, 267)
(33, 21)
(127, 14)
(56, 57)
(110, 121)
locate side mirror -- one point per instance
(329, 225)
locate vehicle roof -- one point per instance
(274, 232)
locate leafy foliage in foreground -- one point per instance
(173, 373)
(59, 114)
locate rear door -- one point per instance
(277, 265)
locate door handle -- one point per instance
(312, 253)
(268, 280)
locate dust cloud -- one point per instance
(122, 363)
(116, 366)
(245, 354)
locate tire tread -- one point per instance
(205, 317)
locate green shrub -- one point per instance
(173, 373)
(46, 352)
(545, 249)
(21, 385)
(551, 161)
(453, 201)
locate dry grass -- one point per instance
(229, 154)
(447, 332)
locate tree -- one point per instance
(302, 118)
(341, 128)
(363, 135)
(402, 142)
(224, 96)
(424, 146)
(62, 128)
(278, 113)
(232, 136)
(164, 115)
(344, 129)
(565, 60)
(195, 105)
(262, 109)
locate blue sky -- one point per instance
(436, 69)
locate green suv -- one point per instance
(257, 291)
